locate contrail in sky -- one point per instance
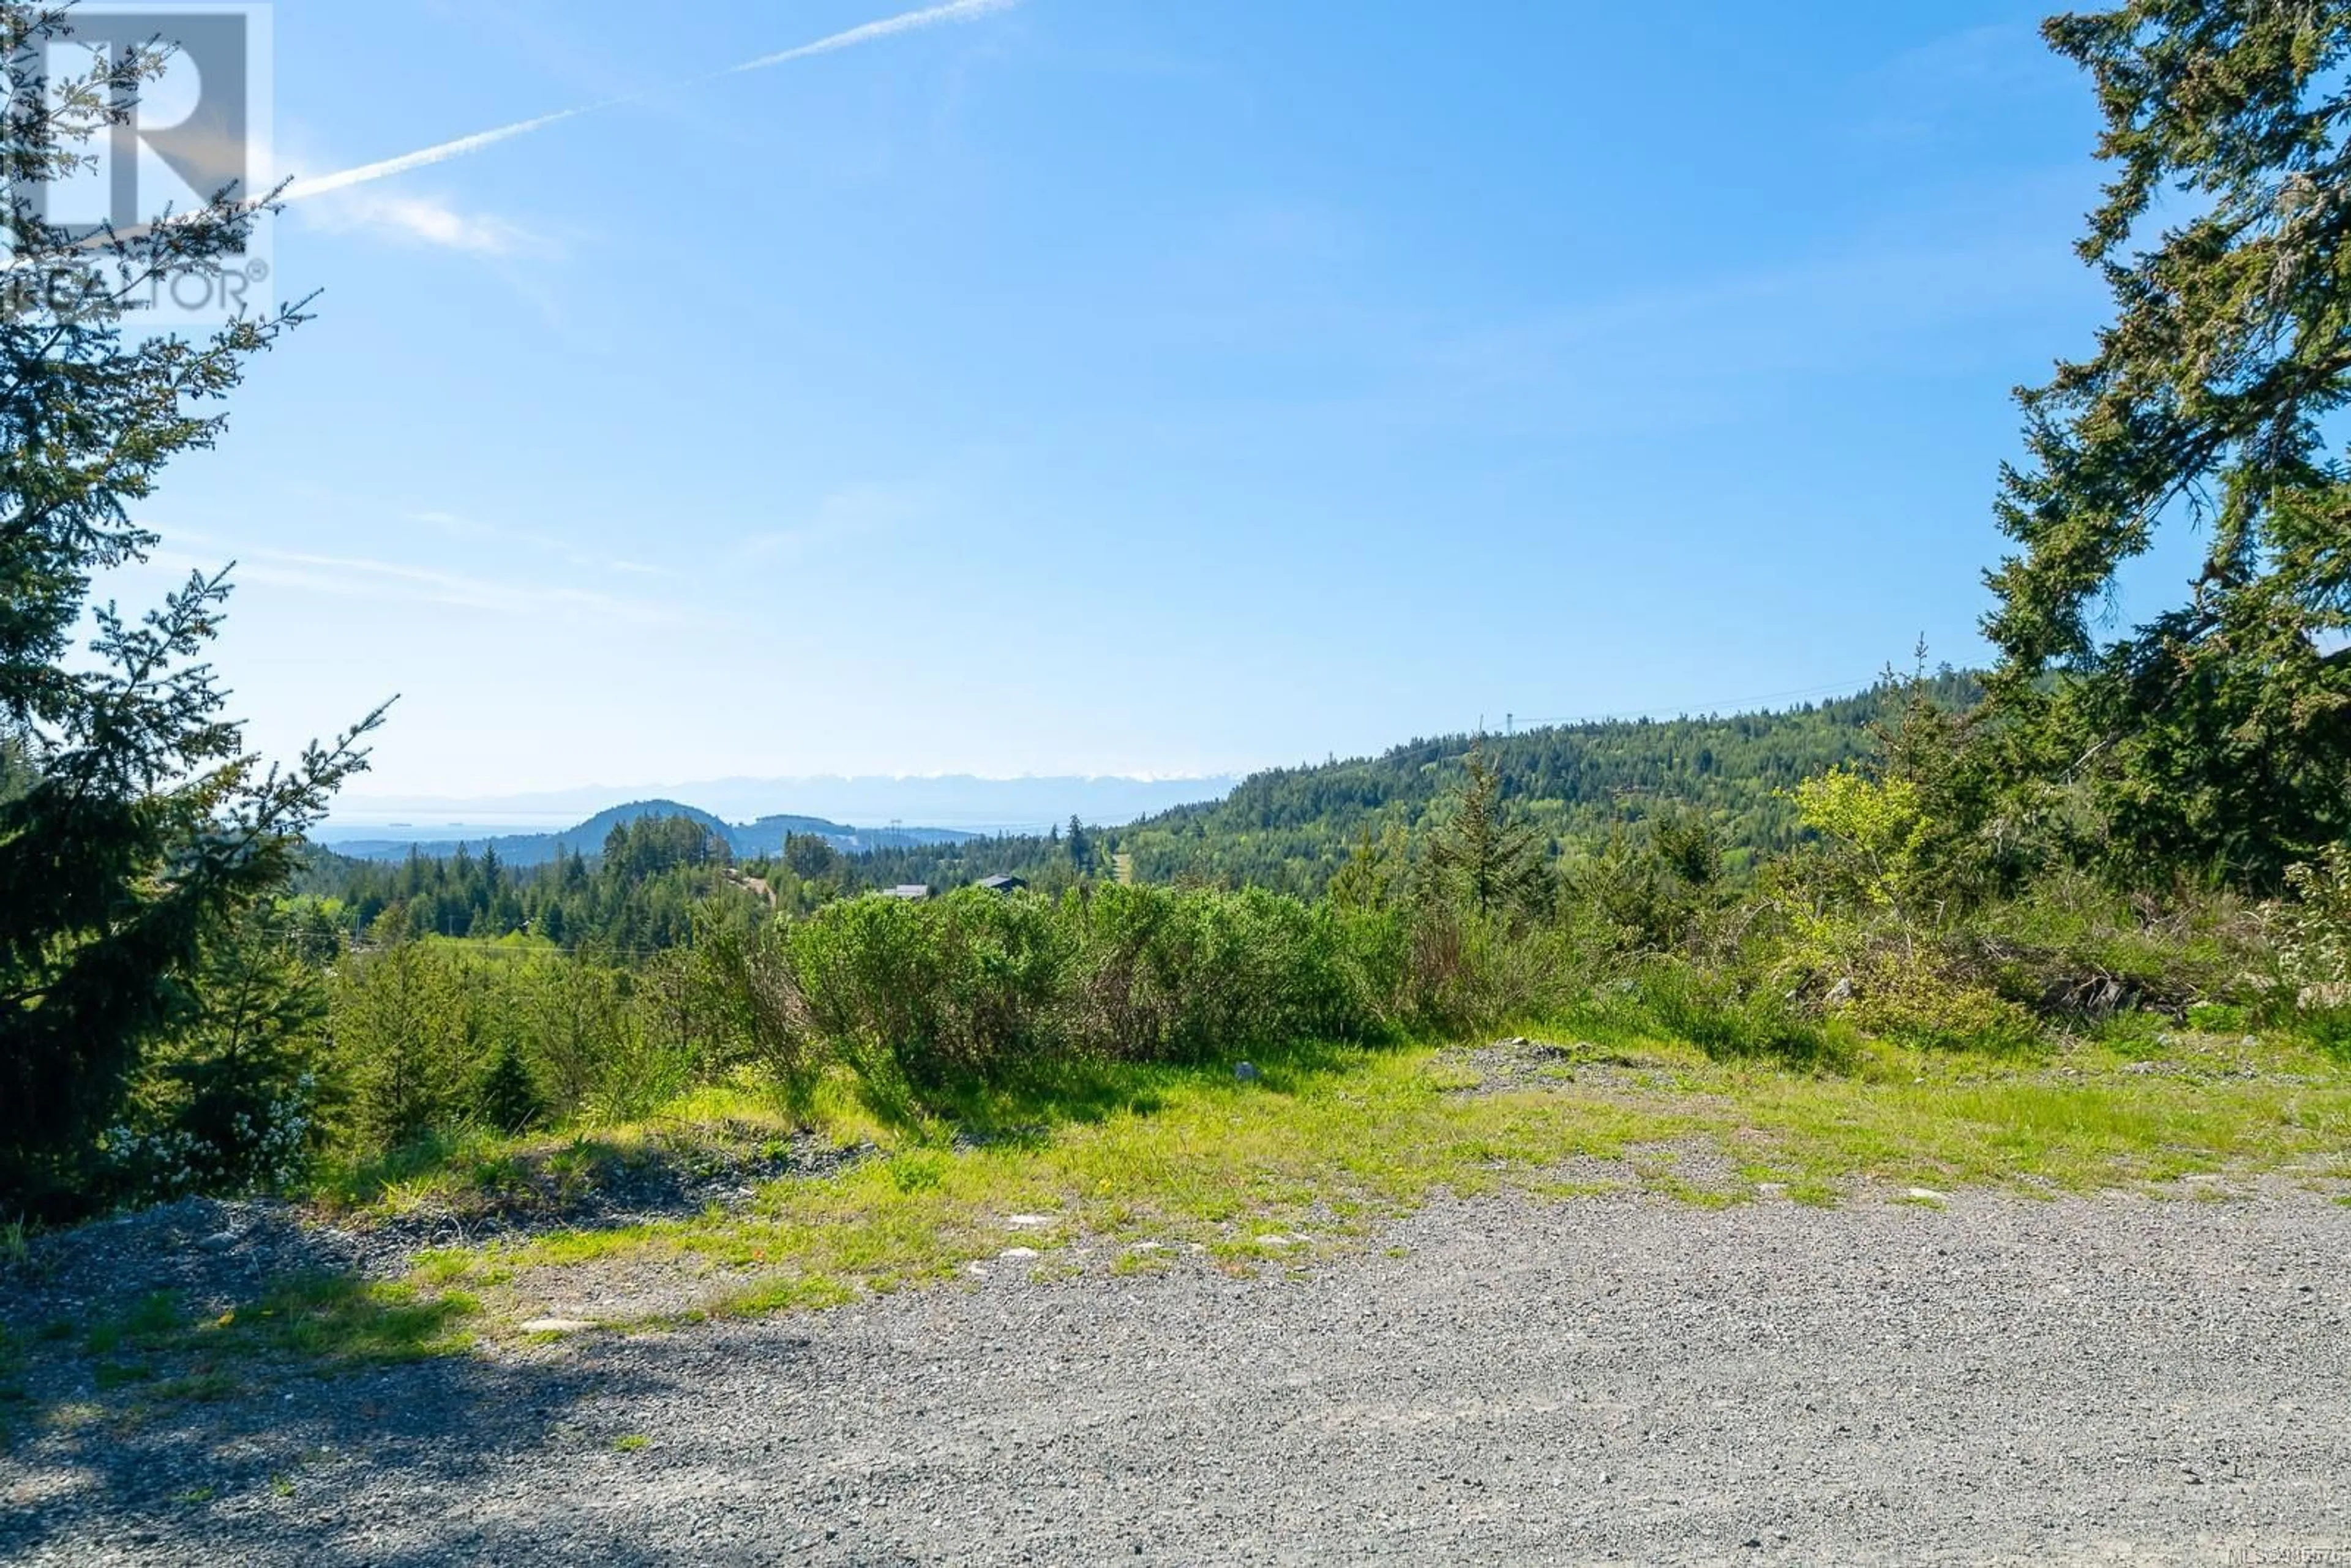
(303, 189)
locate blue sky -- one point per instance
(1126, 386)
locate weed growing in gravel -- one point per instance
(155, 1353)
(329, 1319)
(146, 1325)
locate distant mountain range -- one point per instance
(763, 836)
(947, 801)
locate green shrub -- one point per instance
(1921, 1004)
(923, 991)
(1177, 975)
(400, 1029)
(1711, 1011)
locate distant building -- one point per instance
(1002, 884)
(911, 892)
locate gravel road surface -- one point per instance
(1501, 1380)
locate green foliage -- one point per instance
(402, 1030)
(1876, 829)
(656, 877)
(1711, 1010)
(509, 1097)
(1650, 888)
(2311, 930)
(1292, 830)
(1377, 874)
(811, 858)
(134, 830)
(973, 981)
(231, 1103)
(2217, 734)
(1162, 974)
(1480, 854)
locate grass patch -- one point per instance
(475, 1171)
(333, 1320)
(1330, 1140)
(148, 1323)
(122, 1374)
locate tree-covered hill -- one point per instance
(746, 839)
(1292, 827)
(1287, 829)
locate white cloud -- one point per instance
(458, 526)
(320, 187)
(853, 512)
(426, 220)
(360, 577)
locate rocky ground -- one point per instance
(1503, 1380)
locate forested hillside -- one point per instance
(764, 837)
(637, 895)
(1292, 829)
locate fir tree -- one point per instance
(2218, 733)
(1493, 862)
(137, 828)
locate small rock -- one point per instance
(1018, 1252)
(220, 1241)
(1246, 1072)
(1146, 1247)
(1839, 993)
(557, 1325)
(1027, 1221)
(1925, 1195)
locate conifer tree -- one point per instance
(136, 827)
(1492, 861)
(2218, 732)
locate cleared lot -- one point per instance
(1498, 1380)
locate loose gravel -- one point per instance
(2119, 1379)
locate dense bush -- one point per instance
(410, 1041)
(965, 982)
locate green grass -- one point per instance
(1146, 1167)
(475, 1171)
(331, 1320)
(153, 1353)
(324, 1320)
(1333, 1139)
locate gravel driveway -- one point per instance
(1500, 1380)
